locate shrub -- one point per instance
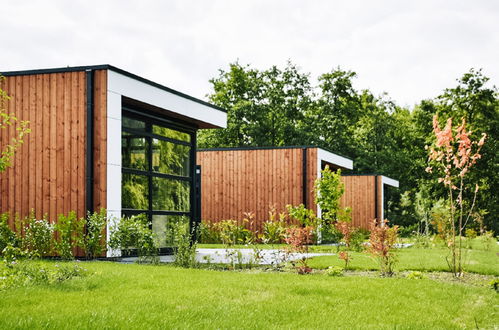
(38, 237)
(346, 229)
(415, 275)
(208, 233)
(274, 230)
(134, 233)
(382, 241)
(346, 257)
(494, 284)
(298, 239)
(303, 215)
(334, 271)
(231, 233)
(7, 236)
(70, 234)
(95, 235)
(184, 246)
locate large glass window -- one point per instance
(157, 173)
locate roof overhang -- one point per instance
(184, 108)
(389, 182)
(334, 159)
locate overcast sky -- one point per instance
(409, 49)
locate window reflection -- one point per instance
(134, 151)
(135, 192)
(170, 195)
(170, 158)
(171, 133)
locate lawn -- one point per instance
(145, 296)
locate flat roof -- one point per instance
(269, 147)
(112, 68)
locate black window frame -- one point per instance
(151, 119)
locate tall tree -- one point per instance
(265, 108)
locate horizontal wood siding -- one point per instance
(360, 196)
(239, 181)
(48, 173)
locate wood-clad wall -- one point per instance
(361, 195)
(238, 181)
(48, 173)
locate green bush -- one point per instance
(38, 236)
(70, 235)
(208, 234)
(303, 215)
(231, 233)
(184, 246)
(334, 271)
(134, 233)
(7, 236)
(93, 241)
(274, 232)
(415, 275)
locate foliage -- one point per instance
(357, 239)
(134, 233)
(303, 215)
(7, 236)
(382, 241)
(27, 273)
(231, 232)
(488, 240)
(415, 275)
(6, 121)
(328, 190)
(453, 154)
(494, 284)
(93, 240)
(334, 271)
(274, 230)
(38, 236)
(345, 256)
(208, 233)
(298, 238)
(184, 247)
(69, 234)
(346, 229)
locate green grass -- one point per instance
(142, 296)
(476, 260)
(434, 259)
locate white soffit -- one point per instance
(140, 91)
(323, 155)
(390, 182)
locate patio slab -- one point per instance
(245, 256)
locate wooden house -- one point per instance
(103, 138)
(239, 180)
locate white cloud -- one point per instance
(412, 50)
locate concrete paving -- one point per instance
(244, 256)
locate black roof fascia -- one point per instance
(115, 69)
(269, 147)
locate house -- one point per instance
(103, 138)
(239, 180)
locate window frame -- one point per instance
(151, 119)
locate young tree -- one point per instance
(453, 154)
(7, 120)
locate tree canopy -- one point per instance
(281, 106)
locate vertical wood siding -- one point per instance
(239, 181)
(48, 175)
(361, 195)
